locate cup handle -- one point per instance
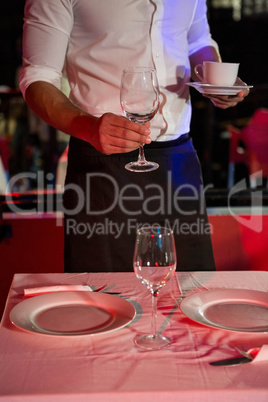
(198, 69)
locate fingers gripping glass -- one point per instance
(139, 97)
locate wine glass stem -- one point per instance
(141, 157)
(154, 308)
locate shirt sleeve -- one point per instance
(46, 32)
(199, 35)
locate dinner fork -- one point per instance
(250, 354)
(99, 289)
(103, 287)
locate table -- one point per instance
(109, 367)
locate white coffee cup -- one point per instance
(217, 73)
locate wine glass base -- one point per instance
(152, 342)
(142, 166)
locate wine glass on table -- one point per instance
(154, 264)
(139, 98)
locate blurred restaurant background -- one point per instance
(29, 145)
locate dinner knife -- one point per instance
(235, 361)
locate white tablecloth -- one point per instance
(109, 367)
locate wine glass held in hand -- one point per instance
(139, 98)
(154, 264)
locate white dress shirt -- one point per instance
(96, 39)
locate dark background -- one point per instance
(11, 20)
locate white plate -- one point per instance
(217, 90)
(72, 313)
(230, 309)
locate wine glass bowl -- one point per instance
(139, 99)
(154, 264)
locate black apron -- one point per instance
(104, 204)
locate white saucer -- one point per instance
(218, 90)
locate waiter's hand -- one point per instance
(226, 101)
(114, 134)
